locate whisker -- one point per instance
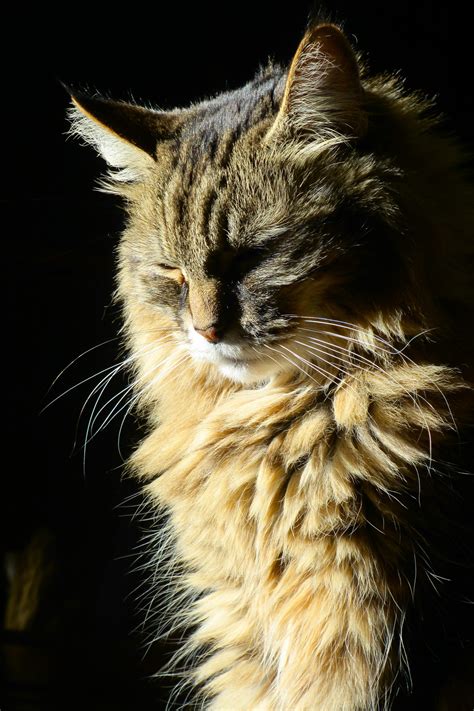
(149, 348)
(123, 363)
(319, 351)
(313, 366)
(81, 355)
(101, 386)
(326, 373)
(340, 349)
(135, 399)
(108, 378)
(155, 330)
(350, 339)
(382, 340)
(123, 394)
(292, 363)
(395, 351)
(310, 364)
(77, 385)
(353, 327)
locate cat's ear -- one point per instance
(323, 95)
(124, 134)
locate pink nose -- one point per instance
(210, 334)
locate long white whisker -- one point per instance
(351, 339)
(292, 363)
(328, 362)
(346, 325)
(108, 378)
(122, 364)
(149, 348)
(353, 327)
(326, 373)
(311, 365)
(86, 352)
(100, 388)
(377, 349)
(140, 393)
(77, 385)
(123, 394)
(348, 361)
(81, 355)
(261, 355)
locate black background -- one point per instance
(58, 242)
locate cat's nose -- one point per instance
(210, 333)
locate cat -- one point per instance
(297, 301)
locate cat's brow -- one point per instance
(222, 258)
(269, 234)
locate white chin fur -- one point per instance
(251, 372)
(232, 360)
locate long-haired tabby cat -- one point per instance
(296, 292)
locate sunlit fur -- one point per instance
(313, 462)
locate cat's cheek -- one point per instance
(158, 292)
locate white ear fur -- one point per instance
(129, 163)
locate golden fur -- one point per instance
(267, 490)
(306, 508)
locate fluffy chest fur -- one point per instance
(300, 515)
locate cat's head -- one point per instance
(255, 211)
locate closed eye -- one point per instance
(246, 260)
(172, 272)
(162, 265)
